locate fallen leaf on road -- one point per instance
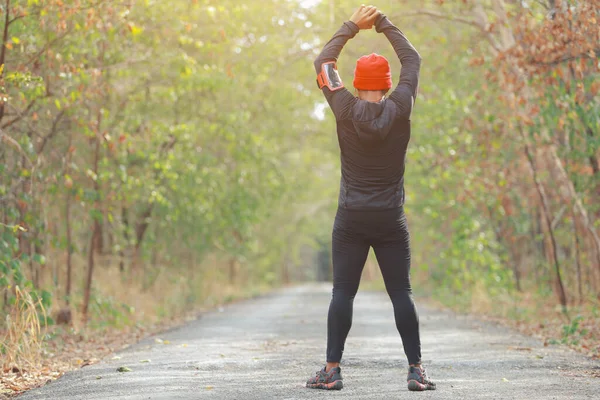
(209, 388)
(87, 362)
(145, 361)
(505, 380)
(123, 369)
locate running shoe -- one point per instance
(418, 381)
(331, 380)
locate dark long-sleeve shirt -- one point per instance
(373, 137)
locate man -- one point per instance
(373, 133)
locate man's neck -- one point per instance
(370, 96)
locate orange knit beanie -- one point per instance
(372, 72)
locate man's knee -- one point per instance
(344, 291)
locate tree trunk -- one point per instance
(3, 50)
(562, 296)
(95, 224)
(69, 247)
(68, 223)
(90, 273)
(140, 231)
(577, 261)
(125, 220)
(539, 250)
(99, 244)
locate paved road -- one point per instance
(266, 348)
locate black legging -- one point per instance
(354, 232)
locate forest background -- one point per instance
(160, 157)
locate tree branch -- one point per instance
(455, 18)
(20, 115)
(17, 18)
(438, 15)
(52, 132)
(5, 138)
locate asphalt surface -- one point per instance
(266, 348)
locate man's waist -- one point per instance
(372, 184)
(386, 196)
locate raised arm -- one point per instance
(333, 48)
(339, 98)
(406, 92)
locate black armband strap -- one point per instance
(329, 77)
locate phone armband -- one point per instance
(329, 77)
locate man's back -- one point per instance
(373, 142)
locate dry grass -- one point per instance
(171, 291)
(22, 340)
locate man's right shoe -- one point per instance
(331, 380)
(418, 381)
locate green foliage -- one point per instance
(12, 274)
(109, 312)
(572, 333)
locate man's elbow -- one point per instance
(417, 57)
(411, 58)
(416, 60)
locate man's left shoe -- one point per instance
(418, 380)
(331, 380)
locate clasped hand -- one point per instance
(364, 17)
